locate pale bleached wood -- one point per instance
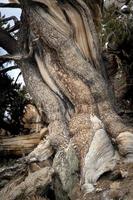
(20, 145)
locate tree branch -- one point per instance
(24, 144)
(8, 69)
(8, 57)
(18, 77)
(16, 23)
(7, 42)
(18, 56)
(14, 18)
(10, 5)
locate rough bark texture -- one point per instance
(66, 77)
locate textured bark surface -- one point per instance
(30, 186)
(65, 76)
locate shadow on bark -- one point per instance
(66, 78)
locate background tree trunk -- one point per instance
(65, 75)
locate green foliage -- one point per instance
(12, 103)
(13, 98)
(117, 27)
(117, 33)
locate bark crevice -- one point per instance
(65, 78)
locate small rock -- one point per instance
(124, 173)
(99, 189)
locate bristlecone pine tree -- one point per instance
(60, 58)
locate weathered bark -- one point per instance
(66, 77)
(34, 184)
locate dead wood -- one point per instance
(65, 76)
(35, 183)
(20, 145)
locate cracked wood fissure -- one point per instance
(71, 57)
(72, 70)
(64, 76)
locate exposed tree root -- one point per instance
(100, 158)
(35, 183)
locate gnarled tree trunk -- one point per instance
(67, 79)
